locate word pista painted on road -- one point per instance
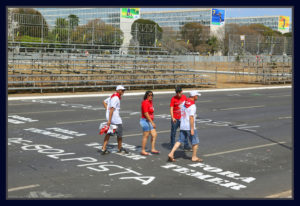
(56, 135)
(216, 123)
(16, 119)
(210, 178)
(89, 163)
(113, 149)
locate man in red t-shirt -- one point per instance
(175, 110)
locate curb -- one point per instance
(142, 93)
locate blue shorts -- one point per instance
(187, 134)
(146, 125)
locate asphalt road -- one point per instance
(246, 143)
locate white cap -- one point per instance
(194, 93)
(120, 87)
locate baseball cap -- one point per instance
(194, 93)
(120, 87)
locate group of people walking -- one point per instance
(183, 116)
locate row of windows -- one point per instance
(167, 19)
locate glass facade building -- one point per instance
(110, 16)
(165, 18)
(177, 18)
(269, 21)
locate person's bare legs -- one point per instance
(144, 142)
(153, 140)
(105, 142)
(119, 139)
(194, 156)
(175, 147)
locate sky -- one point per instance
(244, 12)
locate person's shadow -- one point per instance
(179, 153)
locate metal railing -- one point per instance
(38, 71)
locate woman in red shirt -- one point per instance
(147, 123)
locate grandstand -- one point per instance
(90, 58)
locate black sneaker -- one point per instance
(104, 152)
(122, 150)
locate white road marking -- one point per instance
(204, 101)
(281, 96)
(243, 107)
(242, 149)
(44, 112)
(131, 135)
(18, 104)
(284, 117)
(22, 188)
(89, 120)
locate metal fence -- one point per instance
(259, 45)
(38, 71)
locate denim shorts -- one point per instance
(146, 125)
(187, 134)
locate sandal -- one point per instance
(155, 152)
(171, 159)
(145, 154)
(198, 160)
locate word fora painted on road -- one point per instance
(216, 123)
(210, 178)
(16, 119)
(56, 135)
(90, 163)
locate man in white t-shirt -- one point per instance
(112, 106)
(188, 127)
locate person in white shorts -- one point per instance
(112, 106)
(188, 127)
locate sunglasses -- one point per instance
(150, 94)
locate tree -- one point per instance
(74, 21)
(258, 39)
(213, 44)
(61, 30)
(195, 34)
(289, 34)
(96, 31)
(30, 23)
(146, 32)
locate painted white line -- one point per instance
(18, 104)
(142, 93)
(286, 194)
(284, 117)
(22, 188)
(197, 102)
(204, 101)
(88, 120)
(243, 107)
(281, 96)
(44, 112)
(140, 134)
(242, 149)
